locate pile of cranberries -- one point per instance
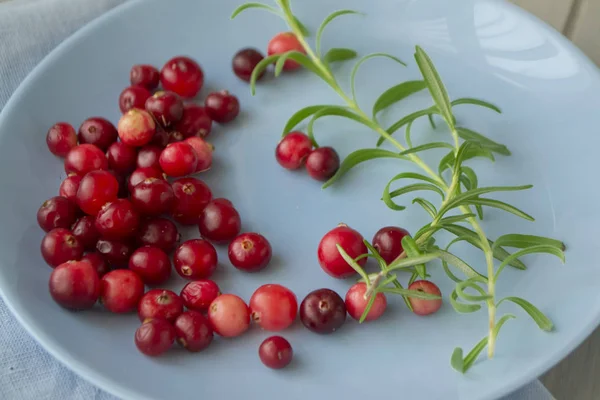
(112, 235)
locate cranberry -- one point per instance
(323, 311)
(191, 196)
(97, 131)
(275, 352)
(136, 128)
(59, 246)
(330, 258)
(244, 62)
(250, 252)
(144, 75)
(98, 262)
(153, 197)
(160, 303)
(282, 43)
(273, 307)
(114, 252)
(95, 190)
(84, 229)
(121, 291)
(85, 158)
(193, 331)
(322, 163)
(229, 315)
(222, 106)
(151, 264)
(154, 337)
(388, 242)
(117, 220)
(141, 174)
(68, 187)
(159, 232)
(356, 303)
(165, 107)
(75, 285)
(204, 151)
(198, 295)
(148, 157)
(422, 306)
(178, 159)
(56, 212)
(194, 122)
(121, 158)
(61, 138)
(175, 136)
(161, 137)
(133, 97)
(292, 150)
(183, 76)
(195, 259)
(219, 221)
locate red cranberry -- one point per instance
(154, 337)
(161, 137)
(229, 315)
(121, 291)
(98, 262)
(151, 264)
(292, 150)
(422, 306)
(114, 252)
(273, 307)
(356, 303)
(244, 62)
(183, 76)
(330, 258)
(160, 303)
(193, 331)
(275, 352)
(204, 151)
(148, 157)
(85, 158)
(219, 221)
(159, 232)
(388, 242)
(198, 295)
(250, 252)
(195, 259)
(95, 190)
(141, 174)
(117, 220)
(97, 131)
(59, 246)
(282, 43)
(61, 138)
(153, 197)
(165, 107)
(178, 159)
(143, 75)
(136, 128)
(56, 212)
(194, 122)
(75, 285)
(222, 106)
(323, 311)
(133, 97)
(68, 187)
(84, 229)
(191, 196)
(121, 158)
(322, 163)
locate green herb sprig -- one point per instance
(462, 204)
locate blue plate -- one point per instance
(549, 93)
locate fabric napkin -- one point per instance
(30, 29)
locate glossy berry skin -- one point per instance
(95, 190)
(193, 331)
(121, 291)
(204, 152)
(133, 97)
(75, 285)
(84, 229)
(121, 158)
(68, 187)
(422, 306)
(144, 75)
(292, 150)
(166, 108)
(85, 158)
(273, 307)
(154, 337)
(117, 220)
(244, 62)
(153, 197)
(56, 212)
(136, 128)
(183, 76)
(114, 252)
(151, 264)
(178, 159)
(282, 43)
(97, 131)
(330, 258)
(141, 174)
(191, 196)
(388, 242)
(59, 246)
(161, 304)
(250, 252)
(198, 295)
(322, 163)
(356, 303)
(61, 138)
(98, 262)
(195, 121)
(158, 232)
(229, 315)
(323, 311)
(222, 106)
(275, 352)
(195, 259)
(219, 221)
(147, 157)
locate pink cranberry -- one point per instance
(193, 331)
(117, 220)
(178, 159)
(273, 307)
(219, 221)
(153, 197)
(198, 295)
(292, 150)
(322, 163)
(159, 232)
(250, 252)
(98, 262)
(115, 253)
(133, 97)
(229, 315)
(161, 304)
(97, 131)
(422, 306)
(275, 352)
(356, 303)
(141, 174)
(330, 258)
(59, 246)
(136, 128)
(61, 138)
(68, 187)
(191, 196)
(56, 212)
(282, 43)
(222, 106)
(151, 264)
(388, 242)
(195, 259)
(85, 158)
(95, 190)
(183, 76)
(148, 157)
(121, 158)
(146, 76)
(154, 337)
(75, 285)
(165, 107)
(121, 291)
(244, 62)
(204, 151)
(194, 122)
(323, 311)
(84, 229)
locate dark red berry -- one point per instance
(322, 163)
(323, 311)
(244, 62)
(121, 158)
(275, 352)
(161, 137)
(147, 156)
(194, 122)
(154, 337)
(151, 264)
(222, 106)
(250, 252)
(115, 253)
(219, 221)
(97, 131)
(133, 97)
(84, 229)
(153, 197)
(159, 232)
(282, 43)
(95, 190)
(423, 306)
(293, 149)
(195, 259)
(183, 76)
(117, 220)
(229, 316)
(61, 138)
(356, 303)
(68, 187)
(75, 285)
(85, 158)
(191, 196)
(141, 174)
(165, 107)
(178, 159)
(330, 258)
(136, 128)
(160, 304)
(388, 242)
(273, 307)
(198, 295)
(98, 262)
(204, 151)
(193, 331)
(57, 212)
(121, 291)
(59, 246)
(144, 75)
